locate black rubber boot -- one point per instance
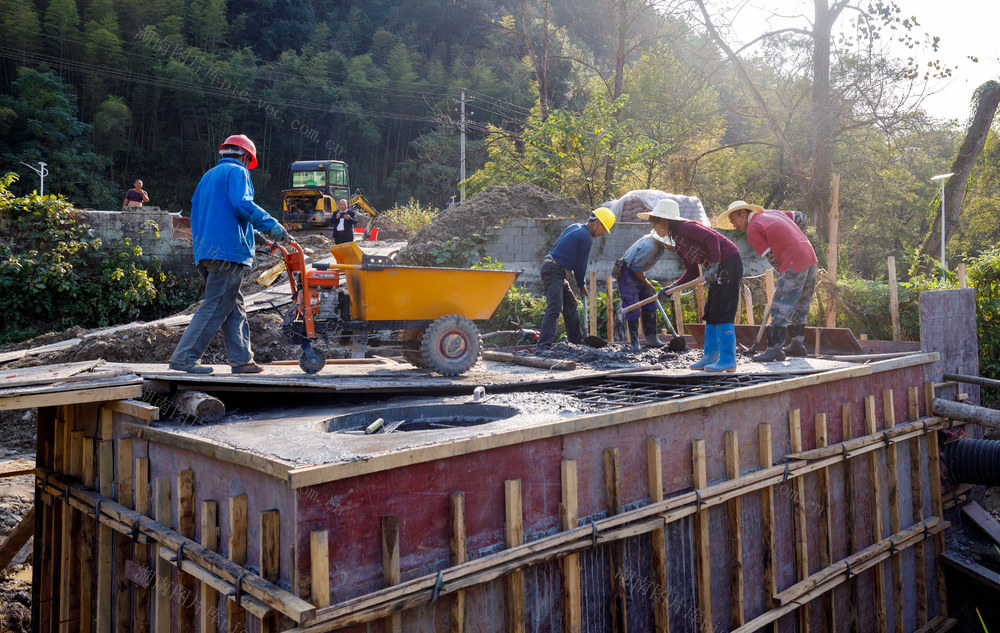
(797, 346)
(633, 333)
(649, 327)
(775, 339)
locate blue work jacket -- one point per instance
(224, 215)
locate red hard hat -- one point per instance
(241, 140)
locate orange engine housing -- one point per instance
(322, 278)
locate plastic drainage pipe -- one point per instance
(972, 461)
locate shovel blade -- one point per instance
(594, 341)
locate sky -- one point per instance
(966, 27)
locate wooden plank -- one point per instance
(187, 587)
(143, 506)
(390, 567)
(702, 543)
(733, 512)
(68, 561)
(894, 299)
(123, 544)
(237, 547)
(16, 467)
(514, 536)
(983, 520)
(699, 295)
(208, 597)
(163, 587)
(319, 564)
(678, 314)
(937, 509)
(105, 539)
(769, 284)
(832, 252)
(895, 520)
(875, 503)
(45, 374)
(830, 615)
(269, 547)
(799, 527)
(661, 610)
(767, 518)
(610, 317)
(17, 538)
(457, 545)
(616, 550)
(136, 409)
(917, 495)
(748, 304)
(852, 535)
(962, 281)
(71, 397)
(592, 303)
(88, 555)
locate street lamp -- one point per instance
(943, 178)
(42, 173)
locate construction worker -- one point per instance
(776, 236)
(701, 247)
(223, 218)
(633, 285)
(569, 255)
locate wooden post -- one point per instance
(456, 502)
(53, 567)
(830, 615)
(767, 519)
(162, 582)
(208, 608)
(319, 562)
(733, 511)
(568, 519)
(799, 528)
(769, 284)
(237, 545)
(739, 305)
(702, 543)
(852, 536)
(69, 554)
(875, 503)
(592, 303)
(699, 293)
(514, 536)
(962, 282)
(610, 308)
(895, 521)
(678, 314)
(748, 304)
(894, 299)
(187, 588)
(832, 252)
(88, 528)
(390, 567)
(269, 546)
(616, 550)
(917, 494)
(105, 537)
(937, 508)
(145, 508)
(123, 546)
(661, 610)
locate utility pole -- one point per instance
(42, 173)
(461, 172)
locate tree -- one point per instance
(62, 22)
(19, 26)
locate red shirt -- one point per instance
(777, 231)
(699, 245)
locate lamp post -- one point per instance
(943, 178)
(42, 173)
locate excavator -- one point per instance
(314, 187)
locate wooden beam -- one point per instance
(105, 539)
(733, 512)
(208, 597)
(269, 548)
(937, 509)
(917, 496)
(187, 588)
(568, 520)
(748, 304)
(68, 559)
(123, 544)
(830, 615)
(767, 518)
(592, 303)
(88, 530)
(616, 550)
(832, 253)
(678, 314)
(390, 567)
(514, 536)
(610, 317)
(702, 543)
(78, 396)
(17, 538)
(699, 296)
(852, 535)
(135, 409)
(319, 563)
(799, 527)
(144, 507)
(661, 606)
(16, 468)
(894, 300)
(457, 545)
(875, 503)
(237, 547)
(163, 587)
(895, 520)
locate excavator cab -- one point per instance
(314, 187)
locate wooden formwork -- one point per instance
(817, 502)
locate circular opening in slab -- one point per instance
(428, 417)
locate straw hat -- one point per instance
(724, 221)
(667, 209)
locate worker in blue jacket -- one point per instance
(223, 219)
(568, 257)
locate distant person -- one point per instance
(223, 219)
(699, 246)
(569, 255)
(345, 218)
(776, 236)
(135, 197)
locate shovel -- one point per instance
(591, 341)
(677, 343)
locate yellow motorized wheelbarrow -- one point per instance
(433, 309)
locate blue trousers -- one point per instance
(632, 291)
(222, 309)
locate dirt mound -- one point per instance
(483, 213)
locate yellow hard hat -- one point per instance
(606, 217)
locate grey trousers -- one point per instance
(559, 299)
(223, 308)
(792, 296)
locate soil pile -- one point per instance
(483, 213)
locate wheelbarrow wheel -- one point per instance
(413, 355)
(451, 345)
(312, 360)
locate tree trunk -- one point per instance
(818, 193)
(968, 153)
(617, 89)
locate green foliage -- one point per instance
(984, 276)
(413, 215)
(518, 309)
(460, 252)
(865, 306)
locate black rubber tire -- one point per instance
(312, 361)
(413, 356)
(451, 345)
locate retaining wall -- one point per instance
(160, 234)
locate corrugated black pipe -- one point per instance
(972, 462)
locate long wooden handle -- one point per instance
(649, 300)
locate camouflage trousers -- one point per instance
(792, 296)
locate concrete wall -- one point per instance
(160, 234)
(522, 243)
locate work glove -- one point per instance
(800, 220)
(278, 233)
(771, 259)
(662, 294)
(712, 274)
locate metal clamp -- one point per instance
(66, 492)
(437, 586)
(237, 592)
(886, 438)
(593, 534)
(846, 453)
(892, 547)
(848, 570)
(784, 476)
(134, 533)
(697, 496)
(179, 558)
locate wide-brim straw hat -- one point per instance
(724, 221)
(667, 209)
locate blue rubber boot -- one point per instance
(727, 348)
(711, 353)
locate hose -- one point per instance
(972, 461)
